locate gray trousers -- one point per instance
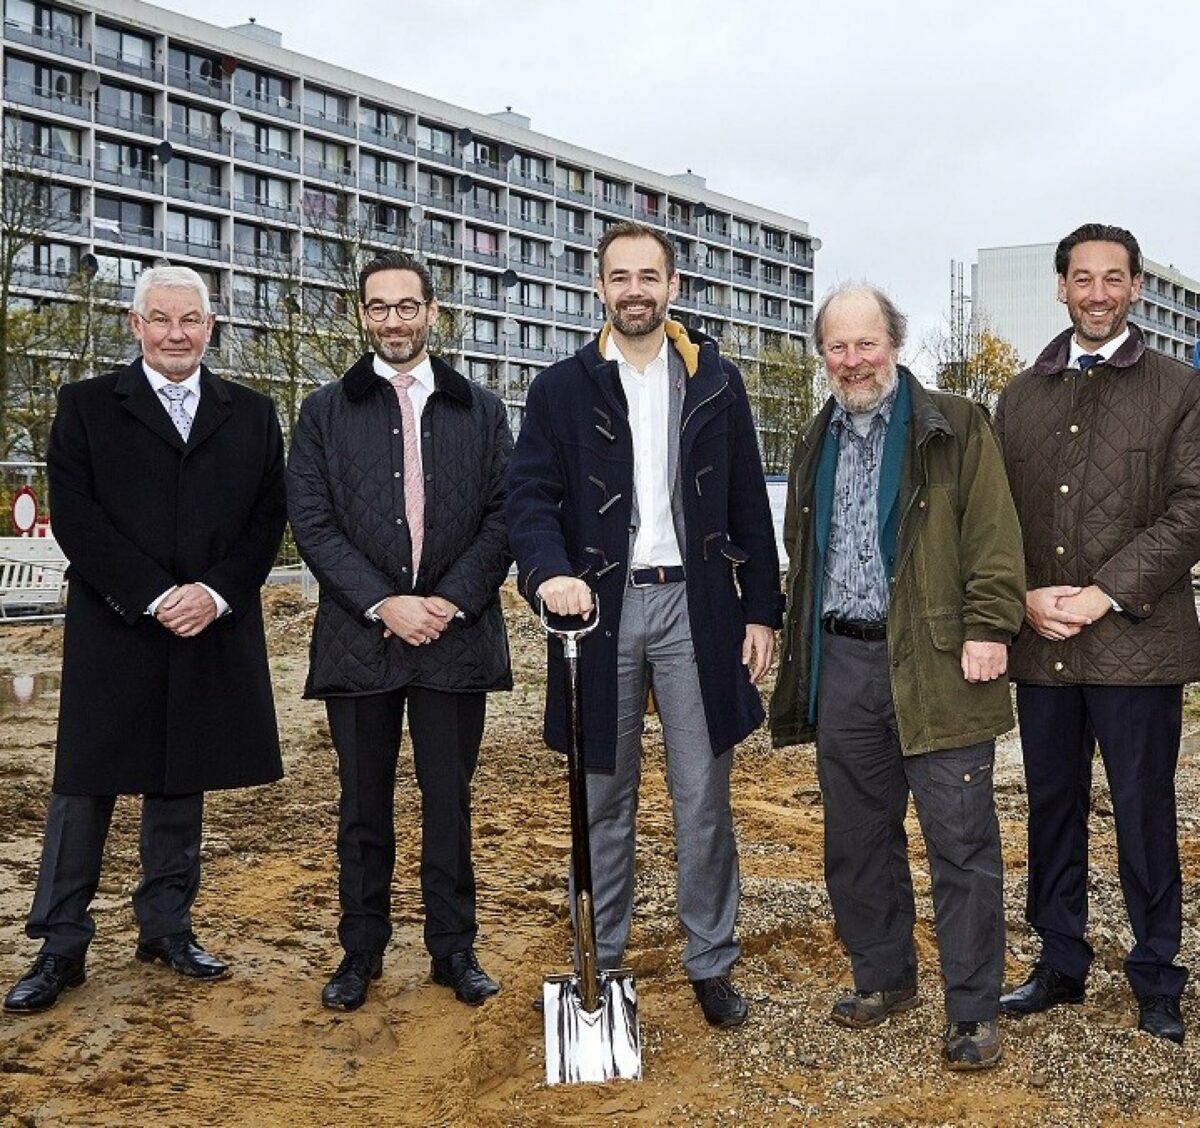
(865, 784)
(76, 830)
(655, 648)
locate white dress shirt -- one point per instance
(422, 388)
(1105, 352)
(190, 404)
(648, 395)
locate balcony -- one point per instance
(654, 218)
(483, 301)
(26, 94)
(46, 39)
(209, 142)
(614, 205)
(206, 86)
(35, 278)
(572, 317)
(528, 266)
(277, 262)
(277, 158)
(484, 211)
(146, 124)
(493, 348)
(50, 160)
(443, 200)
(387, 188)
(442, 248)
(251, 206)
(583, 277)
(774, 250)
(539, 311)
(126, 234)
(278, 106)
(439, 156)
(580, 196)
(531, 352)
(334, 174)
(803, 256)
(342, 125)
(490, 171)
(801, 293)
(537, 183)
(139, 68)
(212, 195)
(774, 320)
(397, 142)
(141, 179)
(744, 244)
(529, 223)
(800, 325)
(487, 258)
(200, 248)
(775, 285)
(580, 235)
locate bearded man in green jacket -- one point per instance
(905, 588)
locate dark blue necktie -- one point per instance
(1086, 361)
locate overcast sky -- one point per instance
(906, 135)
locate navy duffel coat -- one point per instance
(569, 513)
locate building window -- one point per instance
(326, 105)
(533, 294)
(383, 123)
(479, 285)
(568, 301)
(484, 329)
(571, 179)
(328, 156)
(532, 168)
(268, 190)
(194, 230)
(646, 202)
(131, 160)
(194, 66)
(383, 170)
(124, 46)
(45, 21)
(482, 241)
(267, 138)
(435, 139)
(532, 252)
(261, 86)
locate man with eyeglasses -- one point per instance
(396, 488)
(167, 496)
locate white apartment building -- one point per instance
(1014, 293)
(167, 137)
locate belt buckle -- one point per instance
(662, 578)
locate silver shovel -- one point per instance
(590, 1015)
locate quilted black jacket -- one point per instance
(346, 504)
(1105, 472)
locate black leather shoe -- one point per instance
(720, 1001)
(347, 990)
(39, 988)
(1045, 988)
(181, 952)
(1159, 1015)
(461, 970)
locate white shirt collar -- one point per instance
(1105, 352)
(423, 373)
(611, 352)
(158, 380)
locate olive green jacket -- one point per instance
(958, 575)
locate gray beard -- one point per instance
(401, 352)
(637, 328)
(860, 406)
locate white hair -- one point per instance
(169, 277)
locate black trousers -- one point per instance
(76, 830)
(446, 730)
(865, 784)
(1138, 728)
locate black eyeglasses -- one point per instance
(406, 310)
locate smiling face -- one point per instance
(398, 341)
(635, 287)
(860, 359)
(173, 330)
(1098, 289)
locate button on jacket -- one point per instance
(1105, 471)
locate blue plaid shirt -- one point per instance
(856, 584)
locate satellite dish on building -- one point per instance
(507, 152)
(509, 327)
(163, 152)
(230, 120)
(699, 211)
(465, 183)
(228, 65)
(89, 265)
(90, 82)
(464, 136)
(416, 215)
(700, 285)
(816, 245)
(509, 279)
(557, 248)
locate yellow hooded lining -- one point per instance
(676, 334)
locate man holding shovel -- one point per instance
(637, 476)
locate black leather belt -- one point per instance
(648, 577)
(855, 628)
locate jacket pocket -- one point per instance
(946, 632)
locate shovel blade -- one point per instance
(592, 1046)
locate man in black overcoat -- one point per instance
(167, 496)
(396, 489)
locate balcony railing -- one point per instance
(529, 222)
(573, 317)
(209, 142)
(582, 196)
(252, 206)
(538, 183)
(277, 158)
(493, 172)
(207, 87)
(387, 188)
(46, 39)
(141, 179)
(127, 234)
(201, 248)
(484, 212)
(675, 223)
(342, 125)
(278, 105)
(146, 124)
(540, 311)
(335, 174)
(142, 68)
(470, 344)
(66, 164)
(528, 266)
(26, 94)
(211, 194)
(398, 142)
(487, 258)
(443, 200)
(440, 156)
(277, 261)
(37, 278)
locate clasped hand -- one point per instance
(1059, 613)
(416, 619)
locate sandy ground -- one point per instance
(137, 1045)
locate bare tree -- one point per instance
(977, 366)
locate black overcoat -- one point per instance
(137, 510)
(346, 503)
(569, 510)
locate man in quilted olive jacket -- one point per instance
(1101, 441)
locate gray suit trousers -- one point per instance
(655, 648)
(865, 784)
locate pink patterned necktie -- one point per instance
(414, 485)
